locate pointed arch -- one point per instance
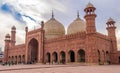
(55, 57)
(71, 56)
(99, 57)
(62, 57)
(119, 59)
(81, 55)
(15, 59)
(9, 59)
(107, 57)
(48, 57)
(103, 53)
(23, 59)
(12, 59)
(33, 50)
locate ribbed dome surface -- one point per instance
(13, 27)
(76, 26)
(110, 19)
(89, 5)
(7, 36)
(53, 29)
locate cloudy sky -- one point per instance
(30, 13)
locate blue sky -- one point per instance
(30, 12)
(9, 9)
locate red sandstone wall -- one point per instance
(115, 57)
(18, 50)
(69, 42)
(36, 34)
(103, 44)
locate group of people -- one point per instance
(11, 63)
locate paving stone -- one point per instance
(38, 68)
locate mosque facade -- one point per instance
(50, 44)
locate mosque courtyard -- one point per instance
(74, 68)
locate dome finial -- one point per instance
(52, 14)
(89, 5)
(78, 14)
(110, 20)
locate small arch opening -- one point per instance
(71, 56)
(81, 56)
(55, 57)
(62, 57)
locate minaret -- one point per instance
(7, 47)
(90, 18)
(90, 30)
(26, 46)
(111, 33)
(42, 40)
(26, 29)
(13, 36)
(42, 24)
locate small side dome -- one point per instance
(13, 28)
(110, 20)
(77, 25)
(26, 29)
(7, 36)
(53, 28)
(89, 5)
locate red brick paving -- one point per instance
(38, 68)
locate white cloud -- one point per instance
(6, 22)
(33, 8)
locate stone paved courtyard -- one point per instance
(38, 68)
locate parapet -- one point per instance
(79, 35)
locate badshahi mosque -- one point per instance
(49, 43)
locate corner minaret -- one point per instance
(42, 41)
(111, 33)
(90, 18)
(7, 47)
(13, 36)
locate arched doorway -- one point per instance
(71, 56)
(48, 57)
(23, 59)
(19, 61)
(107, 57)
(103, 55)
(15, 59)
(33, 51)
(119, 59)
(99, 57)
(9, 59)
(55, 57)
(81, 56)
(12, 59)
(62, 57)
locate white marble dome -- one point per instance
(77, 25)
(53, 29)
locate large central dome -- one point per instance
(53, 28)
(77, 25)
